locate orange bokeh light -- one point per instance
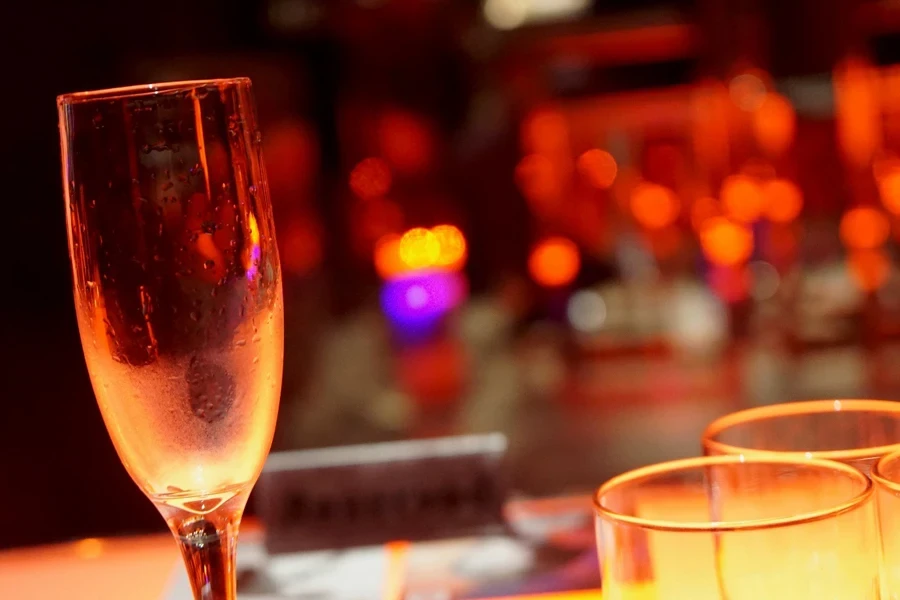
(783, 200)
(869, 268)
(704, 208)
(748, 89)
(388, 263)
(538, 181)
(774, 124)
(864, 228)
(452, 246)
(889, 188)
(598, 167)
(370, 178)
(554, 262)
(545, 130)
(742, 198)
(654, 206)
(406, 141)
(726, 243)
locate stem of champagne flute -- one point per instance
(208, 544)
(209, 556)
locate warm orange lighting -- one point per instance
(406, 141)
(654, 206)
(742, 198)
(748, 90)
(869, 268)
(419, 248)
(783, 200)
(545, 130)
(726, 243)
(703, 209)
(452, 246)
(858, 111)
(370, 178)
(395, 577)
(731, 283)
(889, 188)
(666, 242)
(598, 167)
(774, 124)
(538, 181)
(89, 548)
(388, 263)
(864, 228)
(554, 262)
(640, 591)
(301, 247)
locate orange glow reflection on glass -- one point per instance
(388, 263)
(370, 178)
(864, 228)
(554, 262)
(419, 248)
(774, 124)
(742, 198)
(783, 200)
(598, 167)
(726, 243)
(452, 246)
(538, 181)
(654, 206)
(869, 268)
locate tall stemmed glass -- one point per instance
(178, 298)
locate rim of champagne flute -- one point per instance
(688, 464)
(148, 89)
(803, 407)
(878, 475)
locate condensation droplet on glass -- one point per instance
(252, 190)
(109, 184)
(255, 359)
(257, 137)
(240, 342)
(93, 203)
(226, 186)
(157, 258)
(209, 264)
(98, 120)
(195, 316)
(256, 338)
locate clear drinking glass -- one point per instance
(855, 432)
(738, 528)
(886, 475)
(178, 298)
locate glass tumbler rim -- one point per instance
(688, 464)
(802, 407)
(878, 472)
(147, 89)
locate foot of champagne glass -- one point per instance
(207, 539)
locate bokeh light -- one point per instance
(419, 248)
(586, 311)
(774, 124)
(726, 243)
(869, 268)
(538, 181)
(452, 244)
(598, 167)
(654, 206)
(889, 189)
(783, 200)
(864, 228)
(406, 141)
(370, 178)
(748, 90)
(388, 263)
(554, 262)
(742, 198)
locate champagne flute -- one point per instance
(178, 298)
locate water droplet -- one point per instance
(195, 316)
(211, 389)
(201, 92)
(252, 190)
(208, 227)
(93, 203)
(240, 342)
(209, 264)
(97, 120)
(157, 258)
(255, 360)
(226, 186)
(258, 137)
(256, 338)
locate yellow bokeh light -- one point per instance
(726, 243)
(419, 248)
(452, 246)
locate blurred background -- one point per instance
(591, 225)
